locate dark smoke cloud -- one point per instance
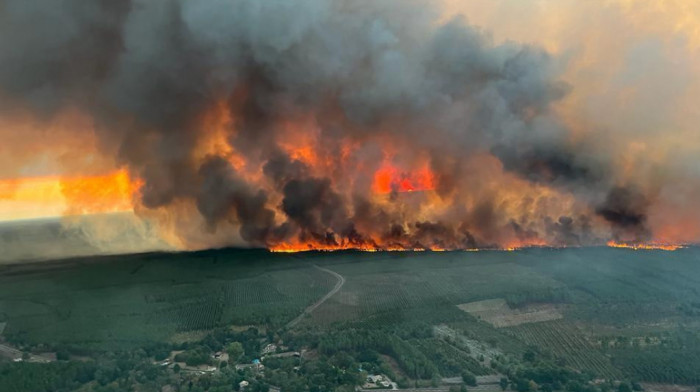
(564, 231)
(148, 72)
(223, 194)
(314, 206)
(551, 165)
(625, 209)
(281, 169)
(60, 52)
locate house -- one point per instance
(256, 365)
(295, 354)
(269, 349)
(379, 381)
(220, 356)
(242, 385)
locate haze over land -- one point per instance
(337, 124)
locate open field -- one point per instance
(497, 312)
(433, 314)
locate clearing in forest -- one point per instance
(497, 312)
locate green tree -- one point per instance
(235, 351)
(62, 355)
(503, 383)
(529, 356)
(469, 378)
(624, 387)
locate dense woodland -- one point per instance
(627, 318)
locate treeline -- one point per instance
(394, 343)
(125, 371)
(53, 377)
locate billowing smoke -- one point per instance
(326, 123)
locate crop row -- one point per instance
(565, 341)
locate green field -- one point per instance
(621, 314)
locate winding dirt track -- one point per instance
(312, 307)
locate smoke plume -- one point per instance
(322, 123)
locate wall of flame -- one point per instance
(634, 67)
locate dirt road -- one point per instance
(12, 353)
(312, 307)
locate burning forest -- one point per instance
(324, 124)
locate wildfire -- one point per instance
(315, 247)
(287, 248)
(37, 197)
(98, 194)
(391, 179)
(639, 246)
(297, 248)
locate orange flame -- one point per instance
(318, 247)
(38, 197)
(651, 246)
(389, 179)
(100, 194)
(294, 247)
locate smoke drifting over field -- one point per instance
(326, 124)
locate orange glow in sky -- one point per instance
(53, 196)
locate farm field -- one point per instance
(497, 313)
(567, 343)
